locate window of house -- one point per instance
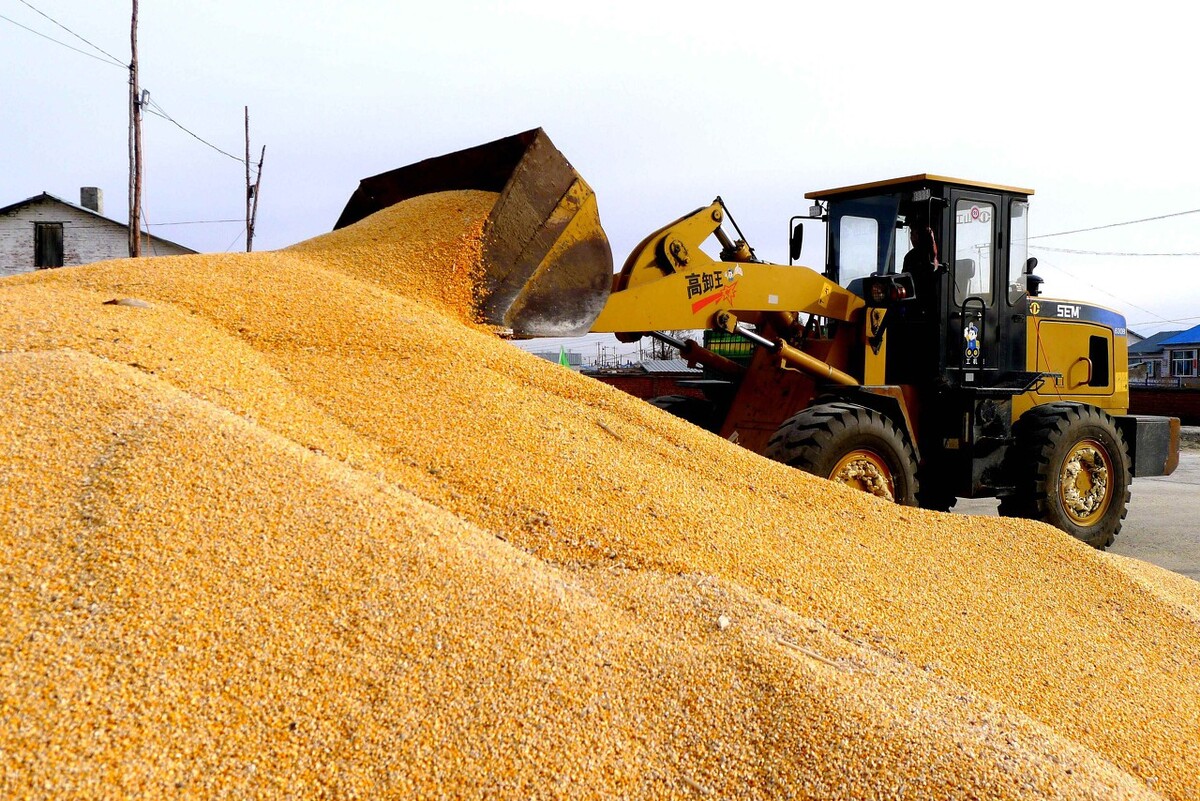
(1183, 362)
(47, 245)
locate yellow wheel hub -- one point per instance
(1084, 485)
(867, 471)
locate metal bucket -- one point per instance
(547, 264)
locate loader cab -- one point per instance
(966, 324)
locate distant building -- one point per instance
(1148, 359)
(46, 231)
(653, 378)
(574, 360)
(1182, 354)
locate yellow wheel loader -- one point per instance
(919, 363)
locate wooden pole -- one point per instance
(254, 209)
(249, 189)
(252, 189)
(135, 144)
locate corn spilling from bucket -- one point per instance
(292, 524)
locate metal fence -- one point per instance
(1170, 382)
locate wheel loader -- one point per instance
(919, 362)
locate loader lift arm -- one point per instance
(668, 282)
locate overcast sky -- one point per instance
(660, 106)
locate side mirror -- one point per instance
(796, 241)
(1033, 283)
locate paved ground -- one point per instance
(1163, 524)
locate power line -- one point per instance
(1176, 320)
(149, 237)
(159, 111)
(196, 222)
(1106, 292)
(1110, 252)
(235, 239)
(64, 44)
(154, 108)
(1117, 225)
(77, 36)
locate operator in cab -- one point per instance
(922, 263)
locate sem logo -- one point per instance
(1034, 307)
(1068, 311)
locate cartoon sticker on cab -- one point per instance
(971, 354)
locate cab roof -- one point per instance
(912, 182)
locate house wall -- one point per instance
(1190, 351)
(86, 237)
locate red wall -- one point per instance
(1183, 403)
(650, 386)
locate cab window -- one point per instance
(859, 251)
(974, 238)
(861, 237)
(1018, 249)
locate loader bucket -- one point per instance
(547, 265)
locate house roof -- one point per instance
(668, 366)
(1152, 343)
(46, 196)
(1188, 337)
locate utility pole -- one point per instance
(135, 144)
(252, 189)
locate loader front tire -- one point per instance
(852, 445)
(1071, 469)
(697, 411)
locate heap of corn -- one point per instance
(290, 525)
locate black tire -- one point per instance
(842, 441)
(697, 411)
(1070, 468)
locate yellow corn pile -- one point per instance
(294, 526)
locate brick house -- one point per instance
(47, 231)
(1148, 358)
(1182, 354)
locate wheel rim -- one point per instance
(867, 471)
(1084, 484)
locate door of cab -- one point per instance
(973, 337)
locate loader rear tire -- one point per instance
(1071, 469)
(697, 411)
(850, 444)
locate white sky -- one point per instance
(660, 106)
